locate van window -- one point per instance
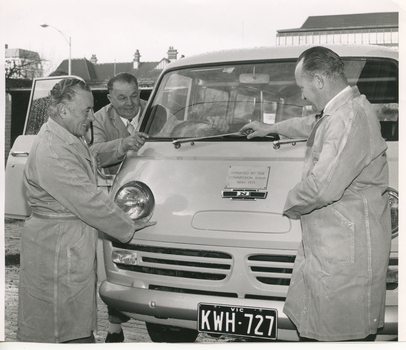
(213, 100)
(38, 106)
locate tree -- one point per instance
(23, 64)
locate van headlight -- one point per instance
(136, 199)
(394, 210)
(124, 257)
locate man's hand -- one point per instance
(140, 225)
(135, 141)
(257, 129)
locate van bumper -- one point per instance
(180, 310)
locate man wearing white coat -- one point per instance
(57, 287)
(338, 285)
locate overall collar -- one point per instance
(341, 98)
(78, 143)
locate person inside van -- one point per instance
(338, 286)
(115, 124)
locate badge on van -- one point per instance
(247, 178)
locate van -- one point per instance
(220, 258)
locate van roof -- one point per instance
(280, 52)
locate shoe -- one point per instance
(115, 337)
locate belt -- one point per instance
(54, 216)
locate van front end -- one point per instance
(215, 262)
(220, 258)
(180, 281)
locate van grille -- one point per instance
(174, 262)
(272, 269)
(193, 291)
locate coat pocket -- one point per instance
(82, 257)
(336, 240)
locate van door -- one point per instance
(16, 205)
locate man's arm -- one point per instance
(291, 128)
(109, 145)
(109, 152)
(65, 178)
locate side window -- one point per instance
(170, 105)
(388, 114)
(38, 106)
(378, 81)
(208, 103)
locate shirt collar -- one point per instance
(336, 96)
(134, 121)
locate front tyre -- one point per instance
(167, 334)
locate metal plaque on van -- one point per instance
(247, 178)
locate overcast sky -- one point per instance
(115, 29)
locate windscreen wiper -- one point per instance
(277, 144)
(178, 142)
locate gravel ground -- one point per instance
(134, 331)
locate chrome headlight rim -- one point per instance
(136, 199)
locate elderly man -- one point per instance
(57, 290)
(115, 124)
(337, 290)
(114, 135)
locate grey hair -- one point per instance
(322, 60)
(122, 77)
(65, 91)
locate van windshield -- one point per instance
(213, 100)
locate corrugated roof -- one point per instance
(359, 20)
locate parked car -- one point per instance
(220, 258)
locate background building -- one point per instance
(366, 28)
(95, 74)
(98, 74)
(22, 64)
(380, 28)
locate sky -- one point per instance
(114, 30)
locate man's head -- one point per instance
(320, 75)
(124, 95)
(71, 105)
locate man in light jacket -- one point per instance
(57, 287)
(338, 286)
(115, 124)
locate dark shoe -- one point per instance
(115, 337)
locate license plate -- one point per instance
(237, 320)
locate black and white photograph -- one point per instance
(218, 173)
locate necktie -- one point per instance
(318, 116)
(130, 127)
